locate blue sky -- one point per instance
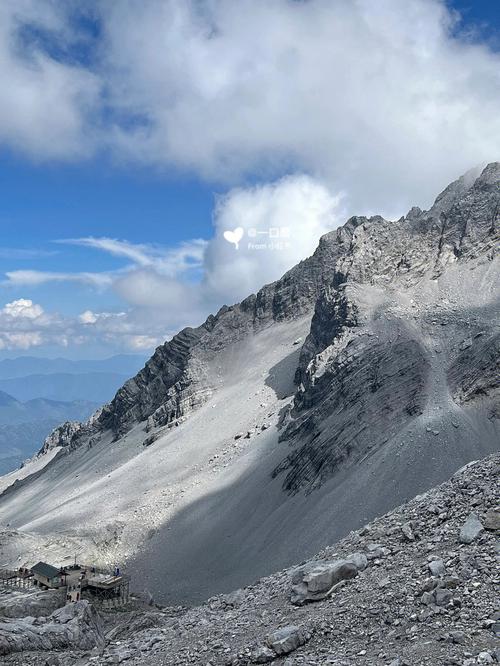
(133, 135)
(483, 16)
(44, 203)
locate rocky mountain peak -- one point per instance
(455, 191)
(490, 175)
(463, 220)
(358, 338)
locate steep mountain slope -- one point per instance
(394, 388)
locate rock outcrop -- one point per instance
(77, 627)
(317, 580)
(62, 436)
(33, 602)
(69, 435)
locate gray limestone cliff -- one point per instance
(371, 364)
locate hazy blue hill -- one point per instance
(14, 412)
(94, 386)
(22, 366)
(7, 400)
(37, 394)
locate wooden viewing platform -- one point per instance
(107, 588)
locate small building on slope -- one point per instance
(47, 576)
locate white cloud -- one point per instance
(23, 308)
(132, 331)
(139, 254)
(25, 324)
(377, 98)
(150, 289)
(25, 278)
(143, 342)
(22, 341)
(45, 105)
(87, 317)
(187, 256)
(16, 253)
(288, 217)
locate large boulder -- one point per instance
(33, 602)
(286, 640)
(315, 580)
(471, 529)
(492, 519)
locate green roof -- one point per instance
(44, 569)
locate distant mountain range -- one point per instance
(98, 386)
(37, 394)
(24, 425)
(122, 364)
(29, 377)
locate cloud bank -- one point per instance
(385, 101)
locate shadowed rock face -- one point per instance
(474, 375)
(364, 371)
(366, 394)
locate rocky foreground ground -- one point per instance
(418, 586)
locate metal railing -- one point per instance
(15, 578)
